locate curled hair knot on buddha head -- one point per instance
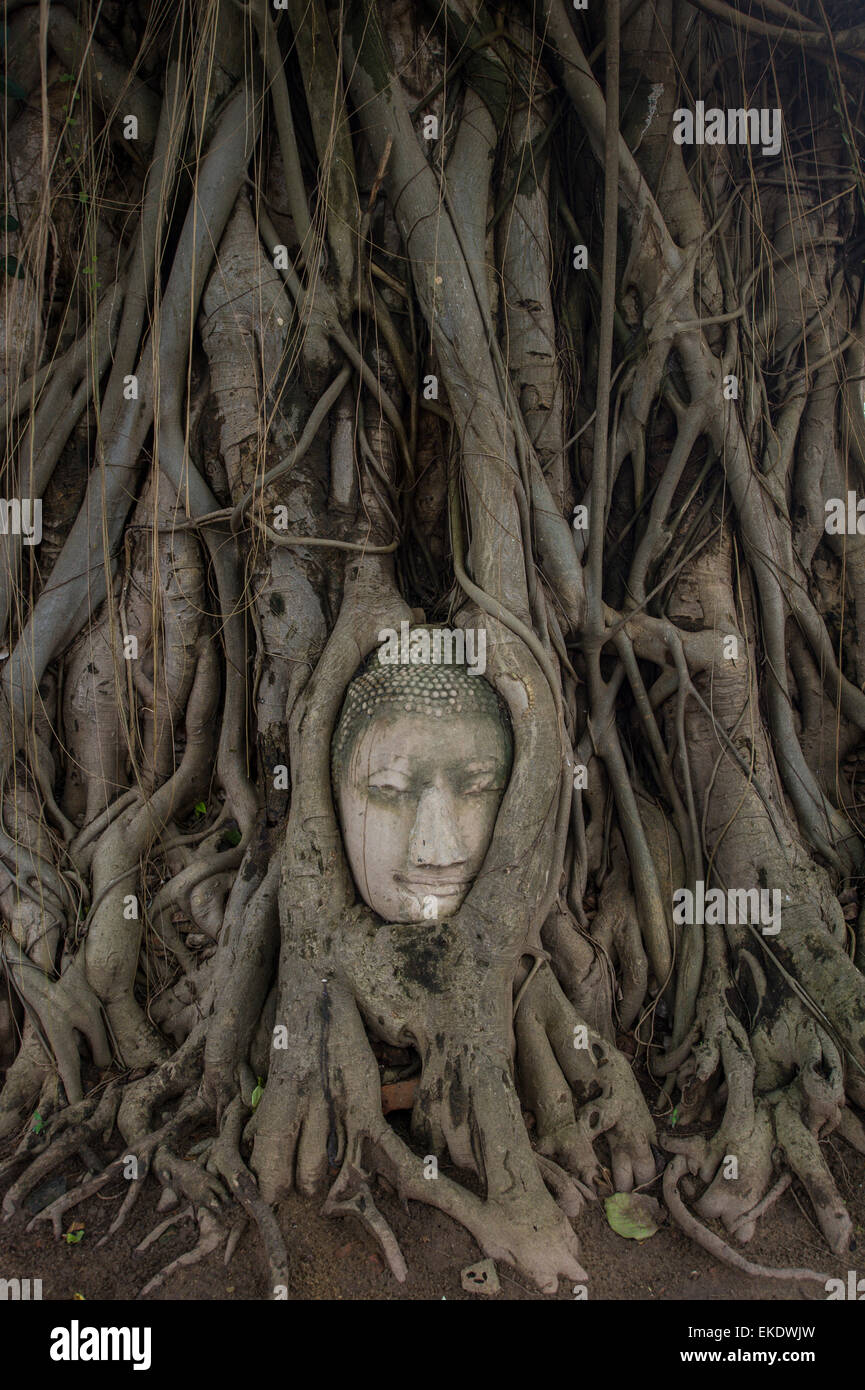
(436, 689)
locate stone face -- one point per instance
(480, 1278)
(421, 758)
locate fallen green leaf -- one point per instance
(257, 1092)
(200, 808)
(38, 1123)
(633, 1215)
(73, 1237)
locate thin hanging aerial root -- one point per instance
(350, 1196)
(211, 1236)
(712, 1242)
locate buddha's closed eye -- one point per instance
(394, 784)
(386, 791)
(477, 780)
(389, 784)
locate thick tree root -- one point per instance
(566, 1067)
(760, 1126)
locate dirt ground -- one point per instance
(336, 1259)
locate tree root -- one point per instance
(57, 1210)
(94, 1118)
(351, 1196)
(713, 1243)
(225, 1160)
(211, 1235)
(761, 1125)
(63, 1007)
(126, 1208)
(301, 1127)
(181, 1214)
(580, 1088)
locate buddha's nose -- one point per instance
(434, 840)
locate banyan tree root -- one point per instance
(713, 1243)
(580, 1088)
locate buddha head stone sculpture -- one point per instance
(420, 761)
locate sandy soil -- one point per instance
(336, 1259)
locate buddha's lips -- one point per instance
(441, 888)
